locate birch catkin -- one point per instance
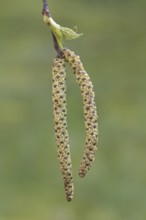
(90, 113)
(60, 33)
(60, 123)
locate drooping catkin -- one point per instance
(60, 123)
(90, 113)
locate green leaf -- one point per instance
(60, 32)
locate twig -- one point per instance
(56, 46)
(59, 32)
(46, 11)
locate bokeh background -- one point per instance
(113, 50)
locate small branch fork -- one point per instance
(45, 11)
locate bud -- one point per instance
(60, 32)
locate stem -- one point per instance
(45, 11)
(56, 46)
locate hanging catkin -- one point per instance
(90, 113)
(60, 34)
(60, 123)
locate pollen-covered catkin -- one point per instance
(60, 123)
(90, 112)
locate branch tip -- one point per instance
(45, 10)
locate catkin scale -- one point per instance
(60, 124)
(89, 107)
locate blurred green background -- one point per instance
(113, 50)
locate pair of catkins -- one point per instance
(60, 116)
(64, 56)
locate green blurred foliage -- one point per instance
(113, 50)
